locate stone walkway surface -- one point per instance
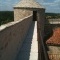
(29, 49)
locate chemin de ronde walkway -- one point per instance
(29, 49)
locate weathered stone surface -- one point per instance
(28, 4)
(11, 38)
(21, 13)
(29, 49)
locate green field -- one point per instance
(6, 16)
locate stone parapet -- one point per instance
(12, 36)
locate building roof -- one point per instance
(55, 39)
(28, 4)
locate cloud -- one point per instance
(7, 4)
(50, 5)
(41, 1)
(51, 2)
(57, 1)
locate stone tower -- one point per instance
(25, 8)
(30, 7)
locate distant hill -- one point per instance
(52, 15)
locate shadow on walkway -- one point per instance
(24, 53)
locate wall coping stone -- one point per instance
(4, 26)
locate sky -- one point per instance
(50, 5)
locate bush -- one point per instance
(6, 16)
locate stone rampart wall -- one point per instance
(12, 36)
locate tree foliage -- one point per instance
(6, 16)
(52, 15)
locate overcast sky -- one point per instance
(50, 5)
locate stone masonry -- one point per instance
(11, 38)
